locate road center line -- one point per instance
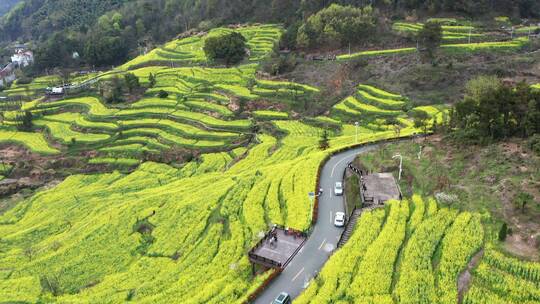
(324, 241)
(298, 274)
(330, 217)
(339, 162)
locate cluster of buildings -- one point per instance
(22, 57)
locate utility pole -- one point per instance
(400, 164)
(470, 32)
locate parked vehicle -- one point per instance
(339, 219)
(283, 298)
(55, 91)
(338, 189)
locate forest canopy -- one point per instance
(337, 26)
(492, 110)
(128, 27)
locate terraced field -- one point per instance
(33, 141)
(203, 216)
(527, 29)
(103, 125)
(207, 214)
(370, 103)
(450, 32)
(435, 112)
(195, 115)
(164, 234)
(503, 279)
(36, 87)
(189, 51)
(413, 252)
(448, 48)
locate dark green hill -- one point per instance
(107, 32)
(6, 5)
(162, 19)
(35, 18)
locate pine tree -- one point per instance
(324, 143)
(26, 124)
(152, 80)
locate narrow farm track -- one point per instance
(325, 236)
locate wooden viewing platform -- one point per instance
(277, 252)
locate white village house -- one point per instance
(23, 58)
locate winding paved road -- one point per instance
(317, 249)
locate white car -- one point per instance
(338, 189)
(339, 219)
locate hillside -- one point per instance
(150, 181)
(34, 18)
(56, 29)
(480, 179)
(7, 5)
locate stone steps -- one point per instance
(350, 227)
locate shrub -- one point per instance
(24, 80)
(534, 144)
(503, 232)
(163, 94)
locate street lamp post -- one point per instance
(356, 132)
(400, 164)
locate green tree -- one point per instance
(56, 51)
(116, 21)
(337, 26)
(430, 38)
(132, 82)
(480, 86)
(324, 142)
(103, 49)
(140, 28)
(420, 119)
(492, 111)
(115, 90)
(229, 48)
(151, 80)
(26, 122)
(522, 199)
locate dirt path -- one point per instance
(464, 279)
